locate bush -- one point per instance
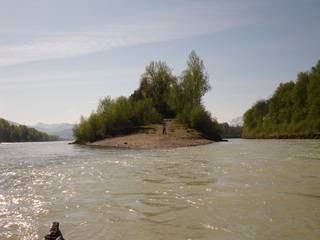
(116, 117)
(200, 119)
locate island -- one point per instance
(152, 137)
(165, 111)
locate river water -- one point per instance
(241, 189)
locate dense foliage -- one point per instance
(20, 133)
(114, 117)
(292, 112)
(155, 84)
(160, 95)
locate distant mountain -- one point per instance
(62, 130)
(238, 121)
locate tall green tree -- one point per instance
(193, 84)
(155, 83)
(195, 80)
(299, 95)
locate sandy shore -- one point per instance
(177, 136)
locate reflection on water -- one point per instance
(243, 189)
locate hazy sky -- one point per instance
(59, 57)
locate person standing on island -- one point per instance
(164, 128)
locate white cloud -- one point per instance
(72, 78)
(46, 46)
(176, 21)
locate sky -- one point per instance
(58, 58)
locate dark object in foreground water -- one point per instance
(55, 233)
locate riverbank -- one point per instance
(153, 138)
(282, 136)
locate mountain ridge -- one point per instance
(62, 130)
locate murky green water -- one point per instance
(243, 189)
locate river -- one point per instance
(241, 189)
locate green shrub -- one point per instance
(200, 119)
(116, 117)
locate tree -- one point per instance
(299, 94)
(155, 83)
(192, 86)
(21, 133)
(195, 80)
(292, 111)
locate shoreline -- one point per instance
(145, 141)
(176, 136)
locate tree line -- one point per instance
(293, 111)
(20, 133)
(160, 95)
(228, 131)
